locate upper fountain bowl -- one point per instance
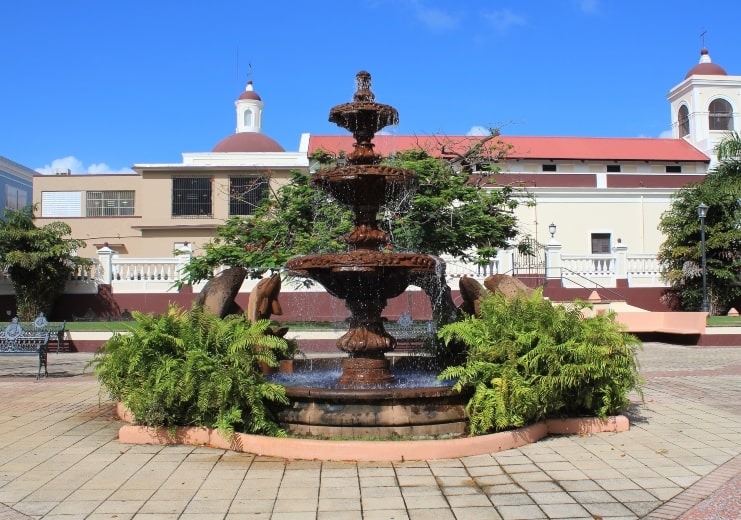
(363, 117)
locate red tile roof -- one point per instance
(525, 147)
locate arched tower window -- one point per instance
(683, 120)
(721, 115)
(248, 117)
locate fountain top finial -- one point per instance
(363, 88)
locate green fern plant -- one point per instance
(192, 368)
(528, 359)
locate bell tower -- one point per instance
(706, 105)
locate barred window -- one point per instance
(246, 193)
(721, 115)
(118, 203)
(600, 243)
(191, 197)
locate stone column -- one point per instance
(105, 257)
(553, 262)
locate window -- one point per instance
(600, 243)
(683, 121)
(110, 203)
(550, 168)
(673, 168)
(191, 197)
(58, 204)
(248, 117)
(720, 115)
(15, 198)
(246, 193)
(613, 168)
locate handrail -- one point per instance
(596, 285)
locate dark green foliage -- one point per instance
(451, 212)
(39, 260)
(191, 368)
(529, 359)
(681, 252)
(298, 220)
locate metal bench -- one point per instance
(409, 335)
(56, 330)
(14, 339)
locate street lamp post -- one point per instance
(552, 231)
(702, 212)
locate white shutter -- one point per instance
(56, 204)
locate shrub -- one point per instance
(528, 359)
(192, 368)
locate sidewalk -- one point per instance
(59, 459)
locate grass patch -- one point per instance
(96, 326)
(106, 326)
(724, 321)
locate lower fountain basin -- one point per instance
(414, 405)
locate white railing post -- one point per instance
(105, 256)
(553, 262)
(184, 253)
(506, 260)
(620, 251)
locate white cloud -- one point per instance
(76, 166)
(478, 130)
(433, 17)
(503, 19)
(587, 6)
(666, 134)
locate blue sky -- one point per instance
(100, 85)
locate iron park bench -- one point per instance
(56, 330)
(14, 339)
(409, 335)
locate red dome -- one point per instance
(706, 67)
(248, 142)
(249, 93)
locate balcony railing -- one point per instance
(161, 274)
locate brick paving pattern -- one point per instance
(59, 459)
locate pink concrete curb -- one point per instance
(388, 451)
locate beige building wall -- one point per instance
(152, 231)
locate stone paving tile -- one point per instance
(525, 512)
(58, 451)
(385, 514)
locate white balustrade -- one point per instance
(455, 268)
(145, 269)
(589, 265)
(643, 264)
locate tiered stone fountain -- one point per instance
(366, 401)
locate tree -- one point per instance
(681, 252)
(38, 260)
(452, 212)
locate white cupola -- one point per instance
(249, 110)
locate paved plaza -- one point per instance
(59, 459)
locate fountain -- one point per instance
(365, 400)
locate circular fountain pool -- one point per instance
(414, 405)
